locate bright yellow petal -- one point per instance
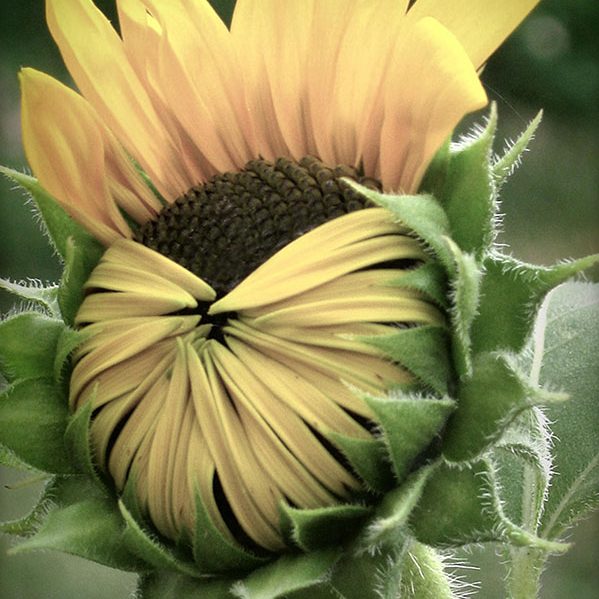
(480, 25)
(95, 57)
(431, 85)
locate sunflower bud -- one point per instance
(284, 366)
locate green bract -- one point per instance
(463, 455)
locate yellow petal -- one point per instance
(480, 25)
(66, 149)
(96, 59)
(420, 117)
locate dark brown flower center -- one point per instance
(224, 229)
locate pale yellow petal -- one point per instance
(95, 57)
(480, 25)
(419, 118)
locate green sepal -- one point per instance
(81, 257)
(435, 176)
(33, 419)
(511, 293)
(148, 548)
(68, 341)
(429, 278)
(460, 505)
(312, 529)
(27, 525)
(409, 425)
(213, 552)
(389, 524)
(36, 294)
(369, 459)
(421, 214)
(59, 225)
(423, 350)
(488, 401)
(469, 194)
(85, 522)
(78, 443)
(28, 346)
(170, 585)
(503, 167)
(289, 574)
(465, 289)
(423, 574)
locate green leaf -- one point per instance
(35, 293)
(33, 419)
(423, 350)
(511, 294)
(469, 194)
(428, 278)
(288, 574)
(85, 522)
(81, 257)
(28, 345)
(312, 529)
(149, 549)
(59, 225)
(566, 357)
(68, 341)
(436, 173)
(213, 552)
(507, 164)
(169, 585)
(77, 441)
(409, 424)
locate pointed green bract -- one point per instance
(45, 298)
(423, 350)
(409, 425)
(511, 293)
(163, 584)
(469, 190)
(423, 575)
(78, 443)
(213, 552)
(141, 544)
(312, 529)
(80, 260)
(28, 346)
(33, 419)
(84, 522)
(288, 574)
(503, 167)
(68, 341)
(369, 459)
(428, 278)
(60, 226)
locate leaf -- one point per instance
(35, 293)
(33, 419)
(566, 357)
(288, 574)
(28, 345)
(169, 585)
(423, 575)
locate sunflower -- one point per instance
(234, 320)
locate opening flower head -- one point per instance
(261, 307)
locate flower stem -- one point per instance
(526, 567)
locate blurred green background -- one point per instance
(550, 207)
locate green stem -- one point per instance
(526, 567)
